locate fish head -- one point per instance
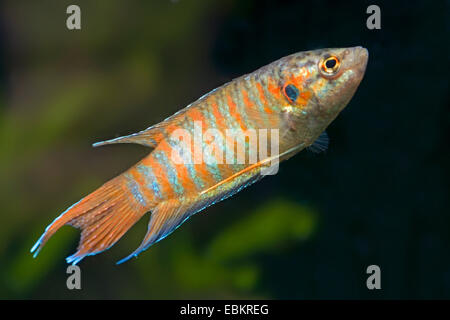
(318, 84)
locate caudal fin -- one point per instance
(103, 217)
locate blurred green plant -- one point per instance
(228, 259)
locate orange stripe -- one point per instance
(158, 136)
(225, 170)
(262, 97)
(217, 115)
(161, 176)
(234, 113)
(170, 128)
(204, 174)
(137, 176)
(232, 105)
(196, 115)
(274, 89)
(182, 172)
(247, 100)
(201, 169)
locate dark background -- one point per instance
(379, 195)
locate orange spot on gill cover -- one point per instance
(274, 89)
(267, 110)
(304, 97)
(298, 81)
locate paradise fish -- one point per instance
(299, 95)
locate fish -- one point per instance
(295, 98)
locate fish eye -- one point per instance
(330, 63)
(329, 66)
(291, 92)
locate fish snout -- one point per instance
(361, 56)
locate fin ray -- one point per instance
(146, 138)
(151, 136)
(170, 214)
(321, 143)
(104, 217)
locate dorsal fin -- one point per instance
(151, 136)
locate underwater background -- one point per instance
(379, 195)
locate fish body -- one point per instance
(298, 96)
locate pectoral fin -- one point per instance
(321, 143)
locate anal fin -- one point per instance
(170, 214)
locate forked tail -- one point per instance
(103, 217)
